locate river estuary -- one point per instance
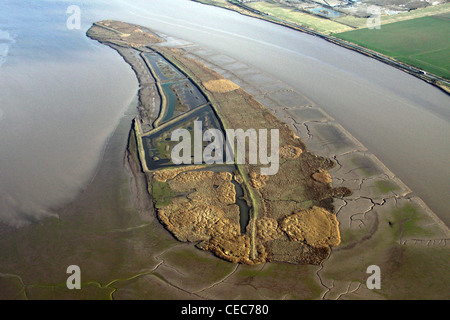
(62, 95)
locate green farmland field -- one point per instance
(422, 42)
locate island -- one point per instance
(228, 208)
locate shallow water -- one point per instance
(326, 12)
(157, 62)
(170, 100)
(63, 94)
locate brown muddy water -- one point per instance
(62, 95)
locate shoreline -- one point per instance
(317, 194)
(392, 181)
(436, 81)
(125, 253)
(383, 221)
(306, 128)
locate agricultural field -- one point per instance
(421, 42)
(343, 21)
(417, 37)
(314, 22)
(358, 22)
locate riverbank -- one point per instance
(264, 239)
(439, 82)
(125, 253)
(382, 218)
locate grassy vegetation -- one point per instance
(349, 236)
(404, 36)
(386, 19)
(132, 146)
(385, 187)
(404, 267)
(162, 194)
(421, 42)
(228, 108)
(326, 26)
(412, 222)
(300, 279)
(223, 3)
(365, 166)
(254, 200)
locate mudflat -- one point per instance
(113, 233)
(292, 218)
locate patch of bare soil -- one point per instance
(221, 85)
(292, 218)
